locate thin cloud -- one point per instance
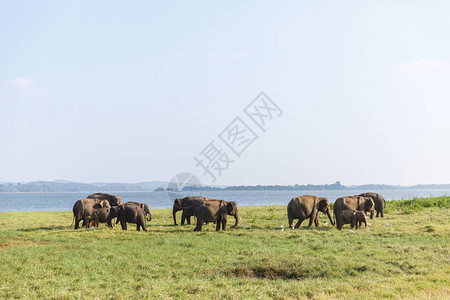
(424, 65)
(234, 56)
(24, 84)
(19, 83)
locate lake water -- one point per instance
(10, 202)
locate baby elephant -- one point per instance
(353, 217)
(98, 215)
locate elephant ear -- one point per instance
(368, 205)
(232, 208)
(323, 204)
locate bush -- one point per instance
(417, 204)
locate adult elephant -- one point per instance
(307, 206)
(364, 204)
(379, 202)
(144, 207)
(131, 214)
(84, 207)
(187, 205)
(215, 211)
(113, 200)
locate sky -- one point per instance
(107, 91)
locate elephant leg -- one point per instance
(300, 220)
(188, 220)
(316, 220)
(143, 225)
(224, 224)
(339, 223)
(123, 224)
(77, 222)
(138, 227)
(199, 224)
(218, 225)
(312, 218)
(183, 218)
(290, 220)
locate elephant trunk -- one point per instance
(174, 211)
(329, 216)
(236, 217)
(149, 216)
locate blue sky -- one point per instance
(108, 91)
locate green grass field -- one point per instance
(404, 255)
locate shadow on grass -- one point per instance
(45, 228)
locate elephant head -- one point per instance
(115, 200)
(233, 211)
(115, 212)
(369, 206)
(146, 210)
(324, 207)
(177, 206)
(358, 217)
(104, 204)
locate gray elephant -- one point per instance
(144, 206)
(86, 206)
(131, 214)
(307, 206)
(99, 215)
(215, 211)
(379, 201)
(113, 200)
(353, 217)
(187, 205)
(364, 204)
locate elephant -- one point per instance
(131, 214)
(364, 204)
(215, 211)
(353, 217)
(187, 205)
(101, 215)
(86, 206)
(113, 200)
(144, 207)
(307, 206)
(379, 201)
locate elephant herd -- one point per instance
(347, 210)
(102, 208)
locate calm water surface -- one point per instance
(10, 202)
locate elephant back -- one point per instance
(113, 200)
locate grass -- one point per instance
(404, 255)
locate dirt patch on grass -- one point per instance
(268, 272)
(18, 243)
(429, 228)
